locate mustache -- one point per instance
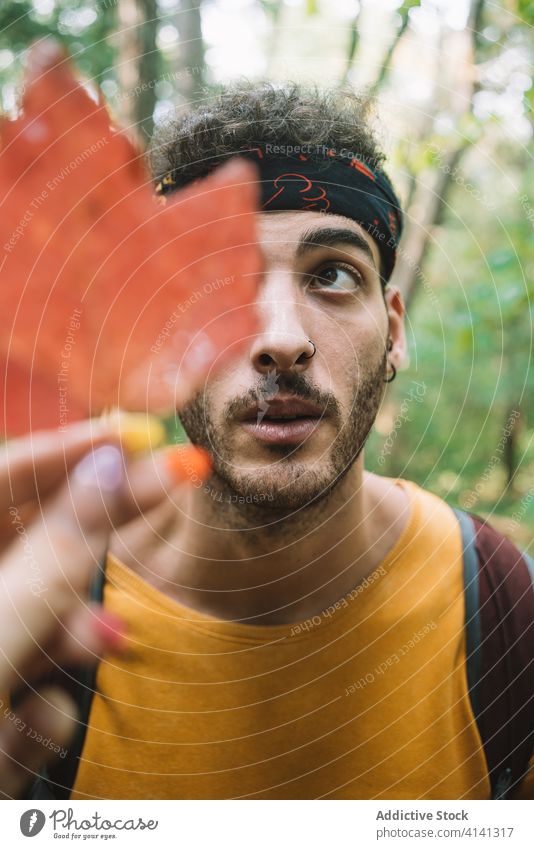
(273, 384)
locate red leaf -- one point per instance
(110, 297)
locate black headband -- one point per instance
(323, 180)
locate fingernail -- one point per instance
(102, 468)
(188, 464)
(110, 628)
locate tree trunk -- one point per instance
(425, 213)
(149, 68)
(139, 64)
(429, 200)
(191, 58)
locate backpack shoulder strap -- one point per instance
(57, 781)
(499, 630)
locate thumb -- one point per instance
(46, 569)
(103, 492)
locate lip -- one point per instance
(290, 432)
(280, 406)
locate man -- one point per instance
(295, 625)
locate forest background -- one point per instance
(454, 96)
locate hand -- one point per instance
(60, 496)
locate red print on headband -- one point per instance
(317, 202)
(355, 163)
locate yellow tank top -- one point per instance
(368, 700)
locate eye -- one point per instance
(336, 277)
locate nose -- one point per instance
(283, 344)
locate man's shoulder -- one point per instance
(498, 582)
(432, 518)
(492, 532)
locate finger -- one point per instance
(46, 573)
(86, 635)
(186, 465)
(33, 736)
(36, 464)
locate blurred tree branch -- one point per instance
(385, 67)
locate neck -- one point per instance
(242, 563)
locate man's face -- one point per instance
(283, 426)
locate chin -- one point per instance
(281, 487)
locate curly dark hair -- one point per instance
(262, 113)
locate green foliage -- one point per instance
(525, 10)
(472, 347)
(84, 26)
(404, 9)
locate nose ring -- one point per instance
(309, 356)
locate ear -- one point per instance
(395, 312)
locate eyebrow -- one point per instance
(330, 236)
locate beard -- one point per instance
(289, 483)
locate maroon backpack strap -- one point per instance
(505, 690)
